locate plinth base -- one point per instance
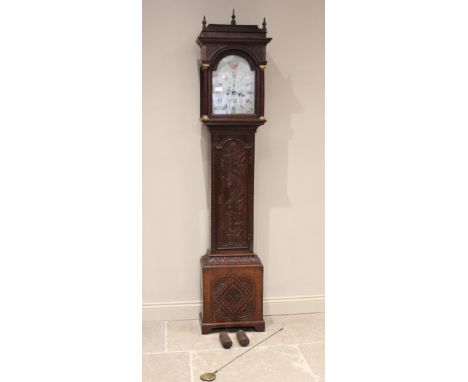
(207, 328)
(232, 288)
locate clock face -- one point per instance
(233, 87)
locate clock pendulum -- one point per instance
(211, 376)
(232, 69)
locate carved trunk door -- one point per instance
(232, 193)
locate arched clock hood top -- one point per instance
(212, 36)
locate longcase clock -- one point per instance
(232, 68)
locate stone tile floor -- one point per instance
(175, 351)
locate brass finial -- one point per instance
(264, 25)
(204, 23)
(233, 17)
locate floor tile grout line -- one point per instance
(223, 350)
(169, 352)
(191, 367)
(165, 336)
(307, 363)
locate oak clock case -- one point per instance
(232, 69)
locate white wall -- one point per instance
(289, 169)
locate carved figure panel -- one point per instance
(232, 201)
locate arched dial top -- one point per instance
(233, 87)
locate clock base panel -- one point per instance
(232, 289)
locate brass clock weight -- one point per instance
(226, 341)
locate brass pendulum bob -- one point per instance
(208, 377)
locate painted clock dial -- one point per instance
(233, 87)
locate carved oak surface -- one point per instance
(231, 260)
(233, 297)
(232, 192)
(232, 199)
